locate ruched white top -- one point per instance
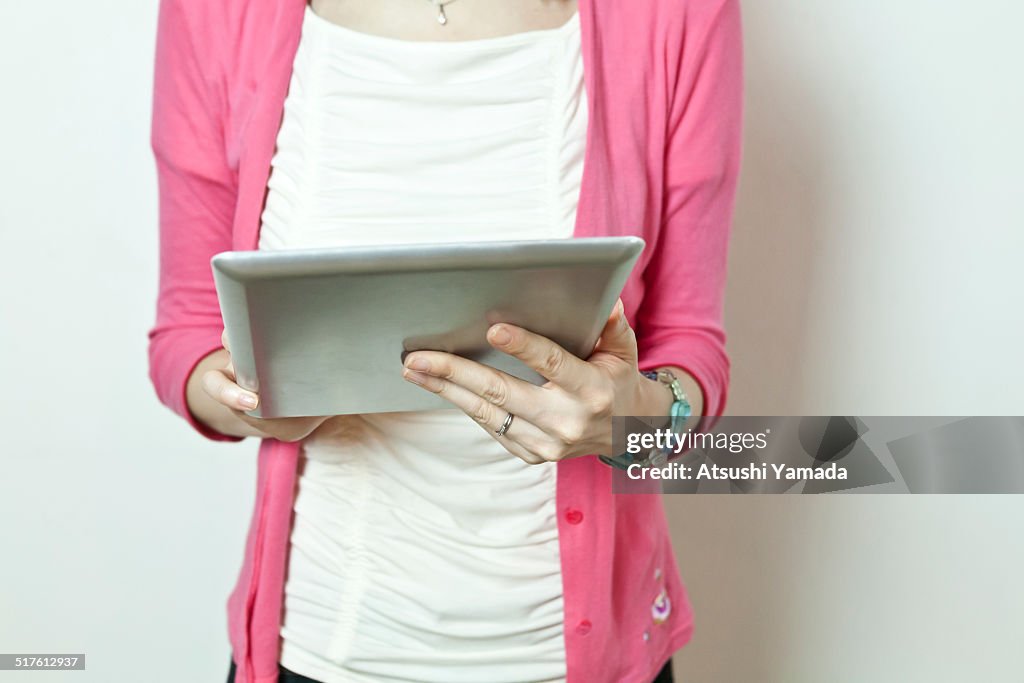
(421, 549)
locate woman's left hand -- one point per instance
(568, 416)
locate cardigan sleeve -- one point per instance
(197, 193)
(680, 323)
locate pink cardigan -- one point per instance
(663, 81)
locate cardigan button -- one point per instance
(573, 516)
(583, 628)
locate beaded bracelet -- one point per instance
(679, 412)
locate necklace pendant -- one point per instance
(442, 18)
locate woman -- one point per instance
(480, 543)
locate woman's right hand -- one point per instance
(226, 403)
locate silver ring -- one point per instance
(505, 425)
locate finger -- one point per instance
(229, 370)
(519, 451)
(617, 337)
(288, 429)
(498, 388)
(515, 447)
(222, 389)
(489, 416)
(547, 358)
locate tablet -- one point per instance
(325, 331)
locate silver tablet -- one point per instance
(324, 331)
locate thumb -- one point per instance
(617, 337)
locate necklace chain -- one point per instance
(442, 18)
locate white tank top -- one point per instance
(421, 550)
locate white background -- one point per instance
(875, 269)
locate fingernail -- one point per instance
(500, 335)
(247, 400)
(414, 377)
(418, 364)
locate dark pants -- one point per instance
(286, 676)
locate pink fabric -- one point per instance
(663, 80)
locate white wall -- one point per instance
(876, 265)
(875, 270)
(873, 263)
(98, 553)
